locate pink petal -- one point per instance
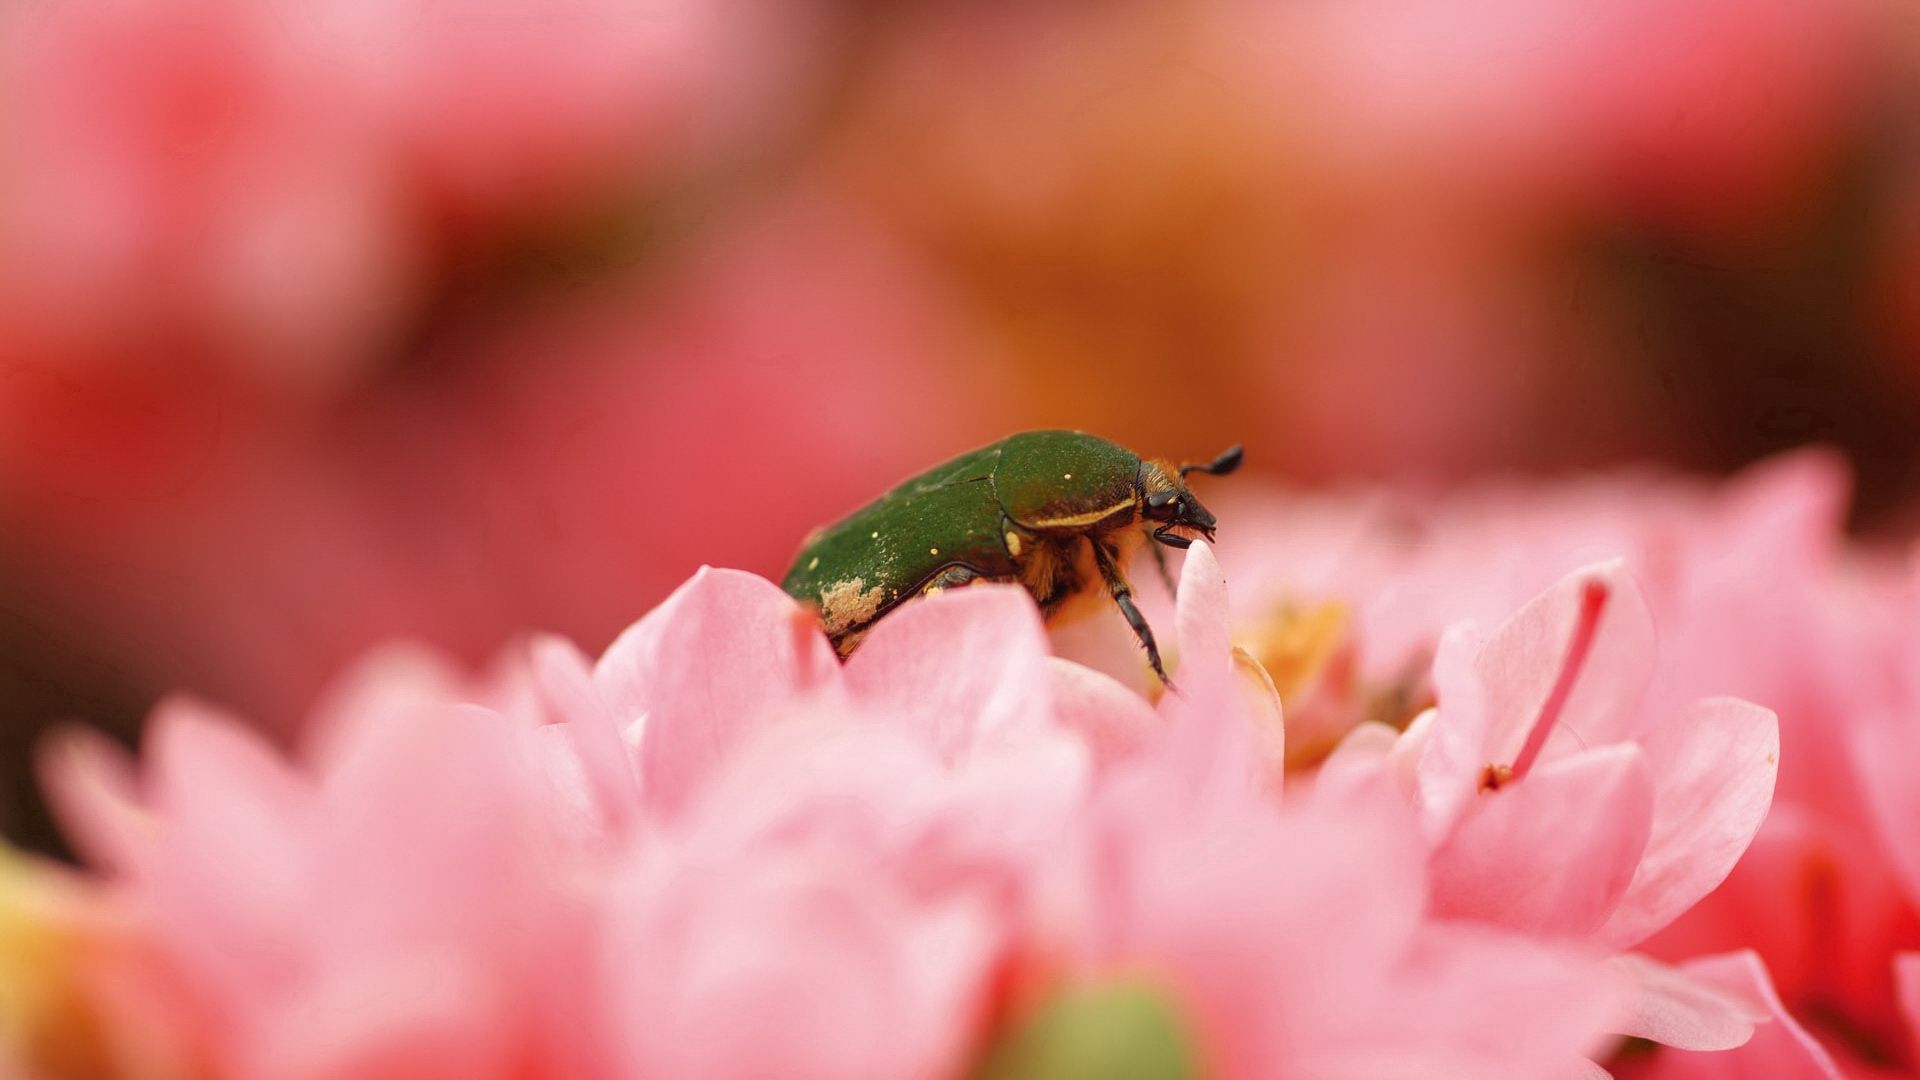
(801, 963)
(1523, 658)
(1403, 760)
(392, 1019)
(1713, 775)
(565, 680)
(1779, 1050)
(571, 799)
(815, 777)
(1885, 751)
(236, 878)
(727, 654)
(1253, 920)
(1217, 720)
(1670, 1007)
(1113, 720)
(218, 785)
(1551, 853)
(1218, 686)
(390, 680)
(873, 787)
(1364, 753)
(1259, 702)
(1005, 815)
(1255, 923)
(1796, 501)
(1200, 612)
(1474, 1002)
(958, 667)
(1453, 751)
(89, 781)
(422, 817)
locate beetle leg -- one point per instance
(844, 645)
(951, 578)
(1160, 563)
(1167, 536)
(1122, 594)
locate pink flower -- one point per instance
(1751, 594)
(1190, 877)
(398, 906)
(715, 774)
(872, 830)
(1648, 813)
(717, 851)
(1553, 806)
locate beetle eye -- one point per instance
(1159, 500)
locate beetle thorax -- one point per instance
(1164, 494)
(1159, 478)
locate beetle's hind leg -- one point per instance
(845, 643)
(1108, 561)
(953, 577)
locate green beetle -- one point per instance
(1055, 511)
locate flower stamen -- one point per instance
(1593, 602)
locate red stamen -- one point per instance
(1593, 601)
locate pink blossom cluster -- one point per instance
(262, 193)
(1748, 589)
(718, 851)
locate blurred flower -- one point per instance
(564, 471)
(54, 930)
(1413, 240)
(258, 195)
(402, 907)
(325, 323)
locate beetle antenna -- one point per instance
(1228, 461)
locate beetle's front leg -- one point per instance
(1108, 562)
(1160, 563)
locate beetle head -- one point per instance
(1169, 501)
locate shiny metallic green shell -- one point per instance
(958, 514)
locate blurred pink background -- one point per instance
(322, 323)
